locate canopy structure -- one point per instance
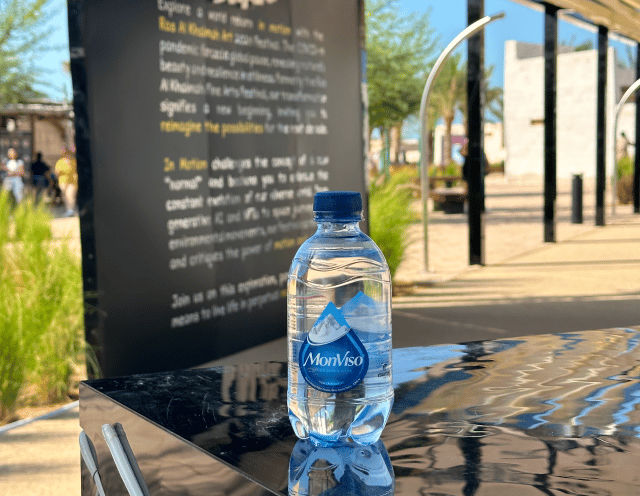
(617, 19)
(40, 109)
(621, 17)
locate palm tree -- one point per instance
(448, 95)
(493, 99)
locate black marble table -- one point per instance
(552, 414)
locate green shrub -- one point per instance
(498, 167)
(390, 216)
(40, 306)
(12, 362)
(453, 169)
(625, 167)
(60, 347)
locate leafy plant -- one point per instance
(60, 347)
(25, 32)
(390, 216)
(401, 48)
(12, 365)
(452, 169)
(40, 306)
(625, 167)
(497, 167)
(449, 93)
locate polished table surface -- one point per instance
(551, 414)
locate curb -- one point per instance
(54, 413)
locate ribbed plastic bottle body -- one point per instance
(341, 266)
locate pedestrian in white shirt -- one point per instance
(14, 170)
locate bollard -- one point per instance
(576, 199)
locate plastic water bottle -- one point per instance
(339, 328)
(340, 469)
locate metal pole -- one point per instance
(632, 89)
(601, 122)
(550, 104)
(475, 159)
(576, 199)
(424, 105)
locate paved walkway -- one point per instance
(41, 458)
(513, 225)
(586, 262)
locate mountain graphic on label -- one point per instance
(329, 327)
(333, 359)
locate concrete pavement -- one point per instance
(596, 263)
(585, 262)
(513, 226)
(41, 458)
(589, 278)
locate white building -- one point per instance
(576, 110)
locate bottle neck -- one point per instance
(328, 223)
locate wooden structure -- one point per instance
(36, 127)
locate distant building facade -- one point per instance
(494, 146)
(44, 127)
(410, 151)
(576, 110)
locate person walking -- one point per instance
(14, 170)
(67, 173)
(622, 146)
(40, 175)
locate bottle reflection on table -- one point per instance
(346, 468)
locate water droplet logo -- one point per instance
(333, 359)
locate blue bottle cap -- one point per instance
(339, 203)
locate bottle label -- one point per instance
(333, 359)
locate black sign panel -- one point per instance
(204, 128)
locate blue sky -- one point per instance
(51, 62)
(448, 18)
(520, 23)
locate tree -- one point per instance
(630, 59)
(572, 43)
(24, 31)
(400, 52)
(448, 96)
